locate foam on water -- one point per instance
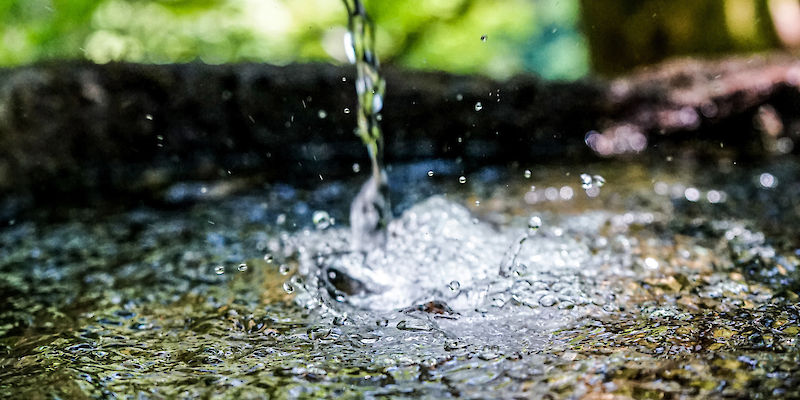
(441, 271)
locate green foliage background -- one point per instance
(522, 35)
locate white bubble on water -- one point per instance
(651, 263)
(548, 300)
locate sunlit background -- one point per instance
(558, 39)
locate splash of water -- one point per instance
(370, 211)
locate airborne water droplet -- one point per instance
(534, 223)
(356, 168)
(321, 219)
(478, 106)
(346, 110)
(287, 287)
(242, 267)
(219, 269)
(430, 173)
(462, 179)
(283, 269)
(268, 257)
(527, 174)
(599, 181)
(454, 285)
(322, 114)
(484, 37)
(586, 181)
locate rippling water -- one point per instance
(668, 281)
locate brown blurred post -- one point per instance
(627, 33)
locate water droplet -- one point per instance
(483, 38)
(268, 258)
(242, 267)
(344, 79)
(527, 174)
(534, 223)
(346, 110)
(454, 285)
(356, 168)
(283, 269)
(478, 106)
(322, 114)
(586, 181)
(287, 287)
(219, 269)
(149, 117)
(321, 220)
(462, 179)
(430, 173)
(598, 180)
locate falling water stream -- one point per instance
(370, 211)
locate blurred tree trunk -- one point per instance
(627, 33)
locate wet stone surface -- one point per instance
(675, 280)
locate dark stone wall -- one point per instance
(76, 131)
